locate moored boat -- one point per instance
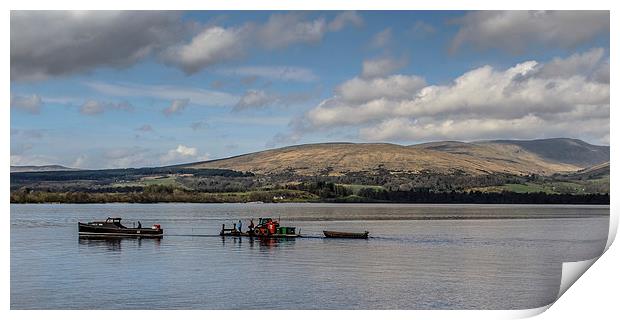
(266, 228)
(348, 235)
(112, 227)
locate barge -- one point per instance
(266, 228)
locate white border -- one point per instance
(593, 295)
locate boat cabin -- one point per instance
(109, 222)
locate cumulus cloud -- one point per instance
(381, 67)
(56, 43)
(515, 31)
(585, 64)
(93, 107)
(182, 153)
(31, 104)
(216, 44)
(358, 90)
(528, 100)
(211, 46)
(177, 106)
(282, 30)
(282, 73)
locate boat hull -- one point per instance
(346, 235)
(253, 235)
(89, 230)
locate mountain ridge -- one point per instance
(521, 157)
(51, 167)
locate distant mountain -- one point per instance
(595, 172)
(520, 157)
(564, 150)
(40, 168)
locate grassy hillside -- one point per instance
(437, 157)
(563, 150)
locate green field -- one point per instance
(555, 187)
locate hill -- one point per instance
(569, 151)
(40, 168)
(543, 157)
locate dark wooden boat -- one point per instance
(112, 227)
(347, 235)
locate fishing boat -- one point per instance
(112, 227)
(348, 235)
(266, 228)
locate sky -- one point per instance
(117, 89)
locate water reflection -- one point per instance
(114, 243)
(263, 243)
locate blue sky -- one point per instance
(133, 89)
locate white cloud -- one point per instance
(585, 64)
(282, 73)
(516, 31)
(56, 43)
(31, 104)
(527, 127)
(32, 160)
(528, 100)
(255, 99)
(282, 30)
(182, 153)
(391, 87)
(93, 107)
(381, 39)
(211, 46)
(381, 67)
(198, 96)
(216, 44)
(130, 157)
(177, 106)
(345, 18)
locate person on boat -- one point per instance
(239, 225)
(234, 226)
(139, 225)
(251, 226)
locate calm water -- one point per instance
(411, 261)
